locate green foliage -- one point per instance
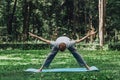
(112, 16)
(14, 62)
(114, 46)
(24, 46)
(47, 17)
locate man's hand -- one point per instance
(92, 33)
(40, 69)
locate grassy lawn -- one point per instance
(14, 62)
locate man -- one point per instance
(61, 44)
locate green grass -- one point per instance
(14, 62)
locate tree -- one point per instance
(10, 17)
(102, 4)
(26, 17)
(46, 17)
(112, 21)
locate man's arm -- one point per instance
(40, 38)
(77, 41)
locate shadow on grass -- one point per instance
(107, 62)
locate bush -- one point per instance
(114, 46)
(24, 46)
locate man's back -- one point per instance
(63, 39)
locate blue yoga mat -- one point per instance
(93, 68)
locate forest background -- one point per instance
(53, 18)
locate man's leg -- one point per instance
(50, 57)
(78, 57)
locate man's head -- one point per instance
(62, 47)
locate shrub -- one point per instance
(114, 46)
(24, 46)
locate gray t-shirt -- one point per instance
(63, 39)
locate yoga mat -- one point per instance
(92, 68)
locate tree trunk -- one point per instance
(14, 21)
(10, 17)
(26, 16)
(75, 19)
(101, 21)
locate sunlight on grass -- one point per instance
(13, 63)
(7, 58)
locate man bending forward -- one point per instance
(61, 44)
